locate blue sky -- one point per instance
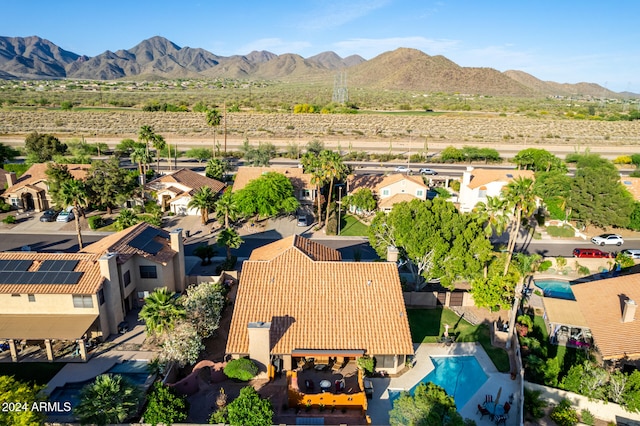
(566, 41)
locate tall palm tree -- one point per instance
(227, 208)
(213, 120)
(333, 169)
(74, 193)
(161, 310)
(204, 199)
(159, 144)
(146, 135)
(520, 202)
(229, 238)
(527, 265)
(311, 165)
(109, 399)
(141, 156)
(492, 215)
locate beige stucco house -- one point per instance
(304, 191)
(50, 297)
(391, 189)
(478, 184)
(174, 191)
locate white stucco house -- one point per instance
(478, 184)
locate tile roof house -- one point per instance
(297, 299)
(31, 191)
(633, 186)
(304, 191)
(86, 295)
(609, 307)
(478, 184)
(390, 189)
(7, 179)
(174, 191)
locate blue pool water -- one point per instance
(134, 371)
(460, 376)
(559, 289)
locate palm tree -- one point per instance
(74, 193)
(213, 120)
(205, 253)
(311, 164)
(229, 238)
(125, 219)
(227, 208)
(333, 168)
(109, 399)
(520, 202)
(146, 135)
(203, 199)
(141, 156)
(527, 265)
(493, 216)
(161, 310)
(159, 144)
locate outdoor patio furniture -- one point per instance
(339, 385)
(500, 419)
(309, 384)
(507, 407)
(488, 398)
(325, 385)
(320, 367)
(483, 411)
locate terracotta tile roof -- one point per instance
(601, 303)
(246, 174)
(190, 179)
(633, 186)
(566, 312)
(36, 173)
(355, 182)
(127, 245)
(481, 177)
(310, 248)
(394, 199)
(89, 282)
(321, 305)
(397, 177)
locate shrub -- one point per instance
(227, 265)
(623, 159)
(95, 222)
(366, 363)
(564, 415)
(587, 418)
(9, 220)
(544, 266)
(165, 406)
(242, 369)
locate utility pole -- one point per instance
(224, 106)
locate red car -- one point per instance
(591, 253)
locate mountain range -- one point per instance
(401, 69)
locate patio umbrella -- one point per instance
(497, 400)
(446, 330)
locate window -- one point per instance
(385, 192)
(127, 278)
(101, 297)
(32, 298)
(148, 272)
(82, 301)
(15, 202)
(15, 295)
(385, 361)
(419, 193)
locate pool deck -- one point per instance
(380, 405)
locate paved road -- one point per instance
(50, 243)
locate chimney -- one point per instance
(179, 269)
(466, 176)
(629, 310)
(260, 343)
(11, 179)
(392, 254)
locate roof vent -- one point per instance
(509, 175)
(369, 282)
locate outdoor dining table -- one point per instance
(495, 410)
(325, 385)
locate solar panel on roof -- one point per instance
(41, 277)
(58, 265)
(145, 241)
(15, 265)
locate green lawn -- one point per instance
(350, 226)
(427, 325)
(38, 372)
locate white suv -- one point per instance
(608, 239)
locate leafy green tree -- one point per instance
(586, 379)
(204, 252)
(183, 345)
(161, 311)
(430, 406)
(260, 156)
(242, 369)
(334, 169)
(74, 193)
(126, 147)
(631, 392)
(41, 148)
(539, 160)
(554, 187)
(26, 394)
(165, 406)
(315, 147)
(634, 218)
(7, 153)
(216, 168)
(436, 239)
(200, 154)
(56, 175)
(597, 196)
(109, 399)
(249, 409)
(362, 200)
(126, 219)
(266, 196)
(204, 304)
(109, 184)
(493, 290)
(227, 208)
(229, 238)
(204, 199)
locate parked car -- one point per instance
(591, 253)
(302, 220)
(49, 216)
(427, 171)
(632, 253)
(608, 239)
(403, 169)
(65, 216)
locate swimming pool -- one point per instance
(559, 289)
(460, 376)
(134, 371)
